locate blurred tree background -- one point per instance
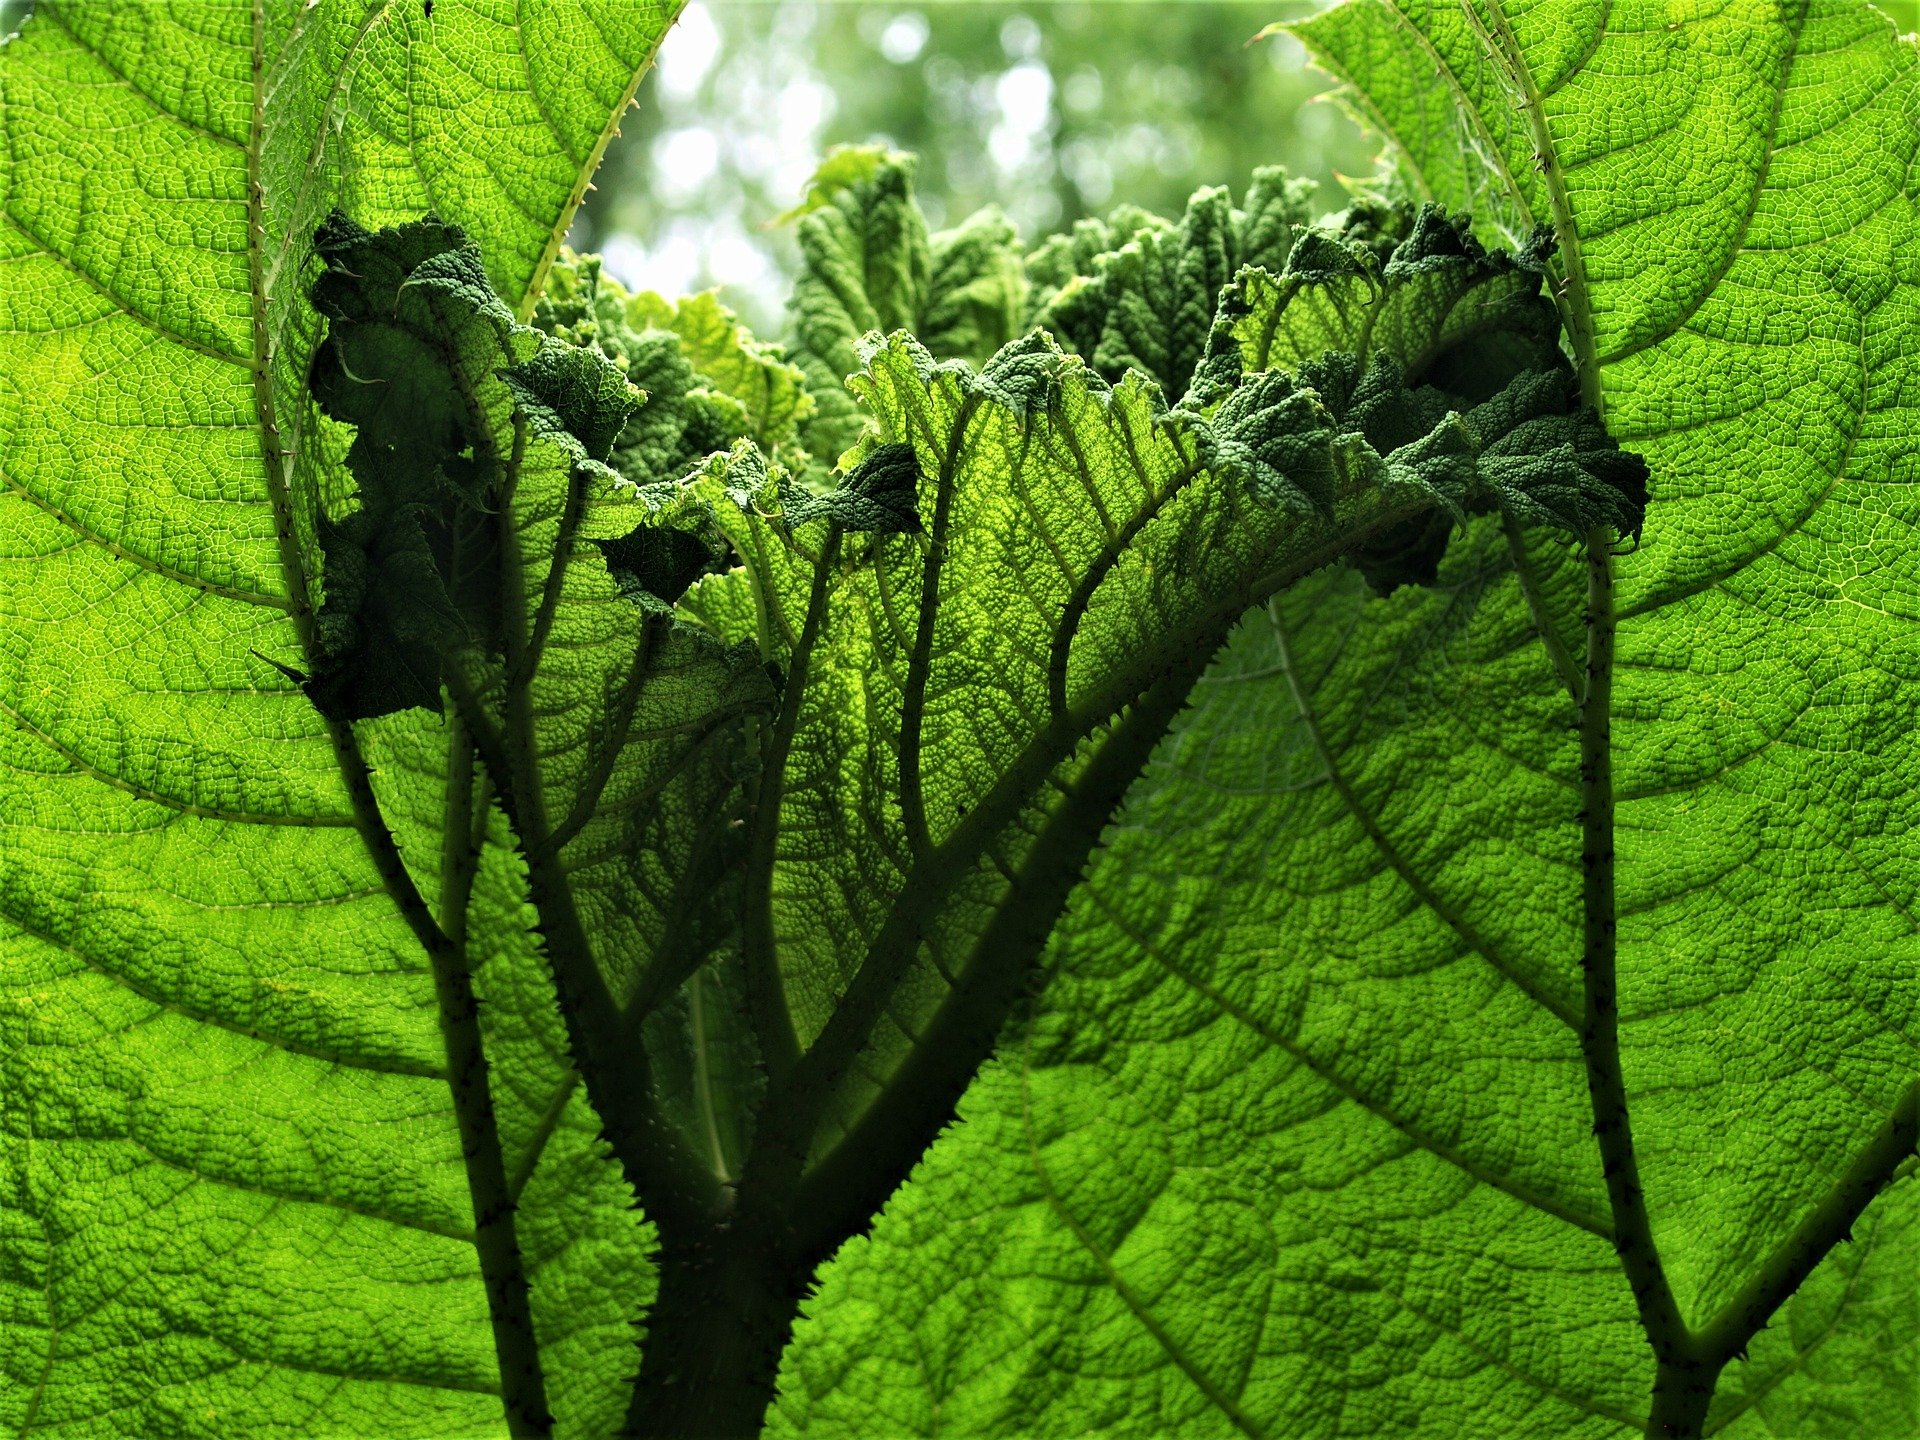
(1052, 110)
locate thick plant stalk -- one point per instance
(522, 1376)
(503, 1273)
(1600, 1023)
(845, 1189)
(730, 1294)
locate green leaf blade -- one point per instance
(1080, 549)
(1759, 394)
(233, 1193)
(1378, 865)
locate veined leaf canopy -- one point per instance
(525, 808)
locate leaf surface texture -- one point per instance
(232, 1192)
(1298, 1141)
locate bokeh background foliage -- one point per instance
(1053, 111)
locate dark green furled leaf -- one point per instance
(404, 309)
(868, 264)
(635, 724)
(660, 561)
(1462, 379)
(569, 390)
(417, 350)
(1048, 475)
(1463, 384)
(391, 366)
(878, 495)
(616, 737)
(390, 613)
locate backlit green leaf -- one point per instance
(231, 1183)
(1300, 1142)
(868, 263)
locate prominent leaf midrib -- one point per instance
(504, 1270)
(321, 128)
(949, 1045)
(248, 748)
(703, 1079)
(766, 992)
(1330, 1075)
(1050, 747)
(1590, 365)
(1804, 1353)
(1389, 852)
(1149, 1322)
(274, 456)
(795, 1112)
(1573, 293)
(913, 698)
(1464, 109)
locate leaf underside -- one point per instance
(231, 1192)
(1297, 1142)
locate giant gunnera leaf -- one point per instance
(232, 1192)
(1301, 1138)
(1365, 760)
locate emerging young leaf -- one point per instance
(1144, 300)
(1057, 562)
(740, 385)
(869, 264)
